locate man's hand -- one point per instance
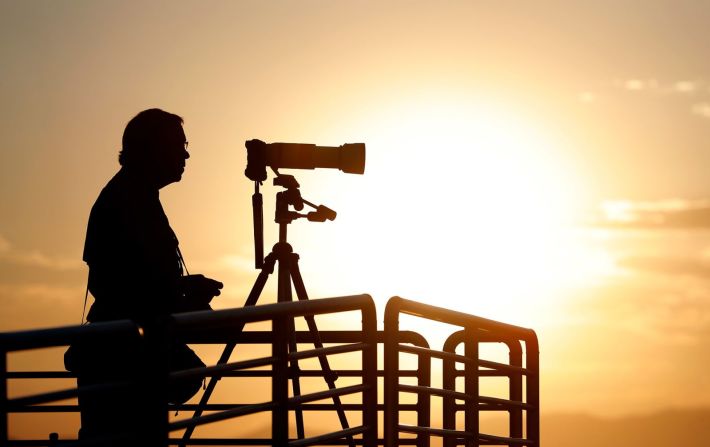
(198, 291)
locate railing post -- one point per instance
(391, 363)
(515, 389)
(471, 384)
(279, 382)
(423, 400)
(3, 399)
(532, 363)
(369, 366)
(448, 382)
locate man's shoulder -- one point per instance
(119, 193)
(108, 215)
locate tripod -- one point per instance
(288, 272)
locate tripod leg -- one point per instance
(295, 372)
(328, 374)
(253, 297)
(285, 296)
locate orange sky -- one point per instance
(541, 163)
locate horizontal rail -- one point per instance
(436, 392)
(442, 432)
(499, 367)
(449, 316)
(317, 373)
(293, 402)
(264, 441)
(329, 436)
(46, 409)
(20, 375)
(215, 369)
(269, 441)
(305, 407)
(221, 441)
(316, 352)
(226, 414)
(490, 373)
(502, 440)
(302, 337)
(437, 354)
(494, 401)
(380, 407)
(40, 375)
(510, 369)
(68, 393)
(209, 407)
(215, 322)
(63, 336)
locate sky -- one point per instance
(539, 163)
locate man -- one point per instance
(136, 272)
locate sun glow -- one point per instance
(462, 205)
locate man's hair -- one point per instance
(144, 131)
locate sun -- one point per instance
(464, 205)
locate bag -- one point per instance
(181, 358)
(121, 361)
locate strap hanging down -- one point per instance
(86, 298)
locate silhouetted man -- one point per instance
(136, 273)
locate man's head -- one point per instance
(155, 144)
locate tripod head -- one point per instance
(290, 197)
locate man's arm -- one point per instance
(197, 292)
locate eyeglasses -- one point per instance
(186, 144)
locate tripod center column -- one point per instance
(284, 255)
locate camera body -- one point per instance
(349, 158)
(197, 292)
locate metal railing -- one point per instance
(217, 328)
(524, 419)
(47, 338)
(216, 325)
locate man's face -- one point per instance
(170, 156)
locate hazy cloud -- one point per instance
(38, 304)
(670, 309)
(697, 91)
(38, 259)
(702, 109)
(662, 290)
(42, 291)
(4, 244)
(685, 86)
(35, 258)
(634, 84)
(672, 213)
(697, 267)
(677, 87)
(637, 84)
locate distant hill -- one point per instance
(669, 428)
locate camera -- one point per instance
(349, 158)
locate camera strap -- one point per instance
(86, 298)
(183, 266)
